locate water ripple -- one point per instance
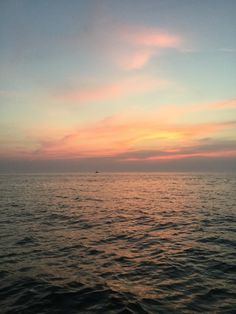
(124, 243)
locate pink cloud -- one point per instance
(117, 89)
(151, 37)
(128, 131)
(138, 44)
(228, 153)
(228, 104)
(135, 60)
(119, 134)
(170, 112)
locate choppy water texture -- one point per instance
(117, 243)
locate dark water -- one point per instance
(118, 243)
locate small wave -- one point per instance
(26, 241)
(117, 244)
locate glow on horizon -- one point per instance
(117, 82)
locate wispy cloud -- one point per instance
(173, 112)
(150, 37)
(120, 134)
(136, 59)
(139, 44)
(207, 148)
(94, 91)
(228, 104)
(131, 131)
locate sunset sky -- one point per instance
(117, 85)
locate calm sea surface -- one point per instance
(118, 243)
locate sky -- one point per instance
(134, 85)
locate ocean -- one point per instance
(118, 243)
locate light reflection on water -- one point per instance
(117, 243)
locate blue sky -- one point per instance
(82, 80)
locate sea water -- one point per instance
(117, 243)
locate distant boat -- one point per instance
(96, 171)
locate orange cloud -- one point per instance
(119, 134)
(128, 131)
(135, 60)
(228, 104)
(174, 112)
(230, 153)
(138, 44)
(117, 89)
(150, 37)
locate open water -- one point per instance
(117, 243)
